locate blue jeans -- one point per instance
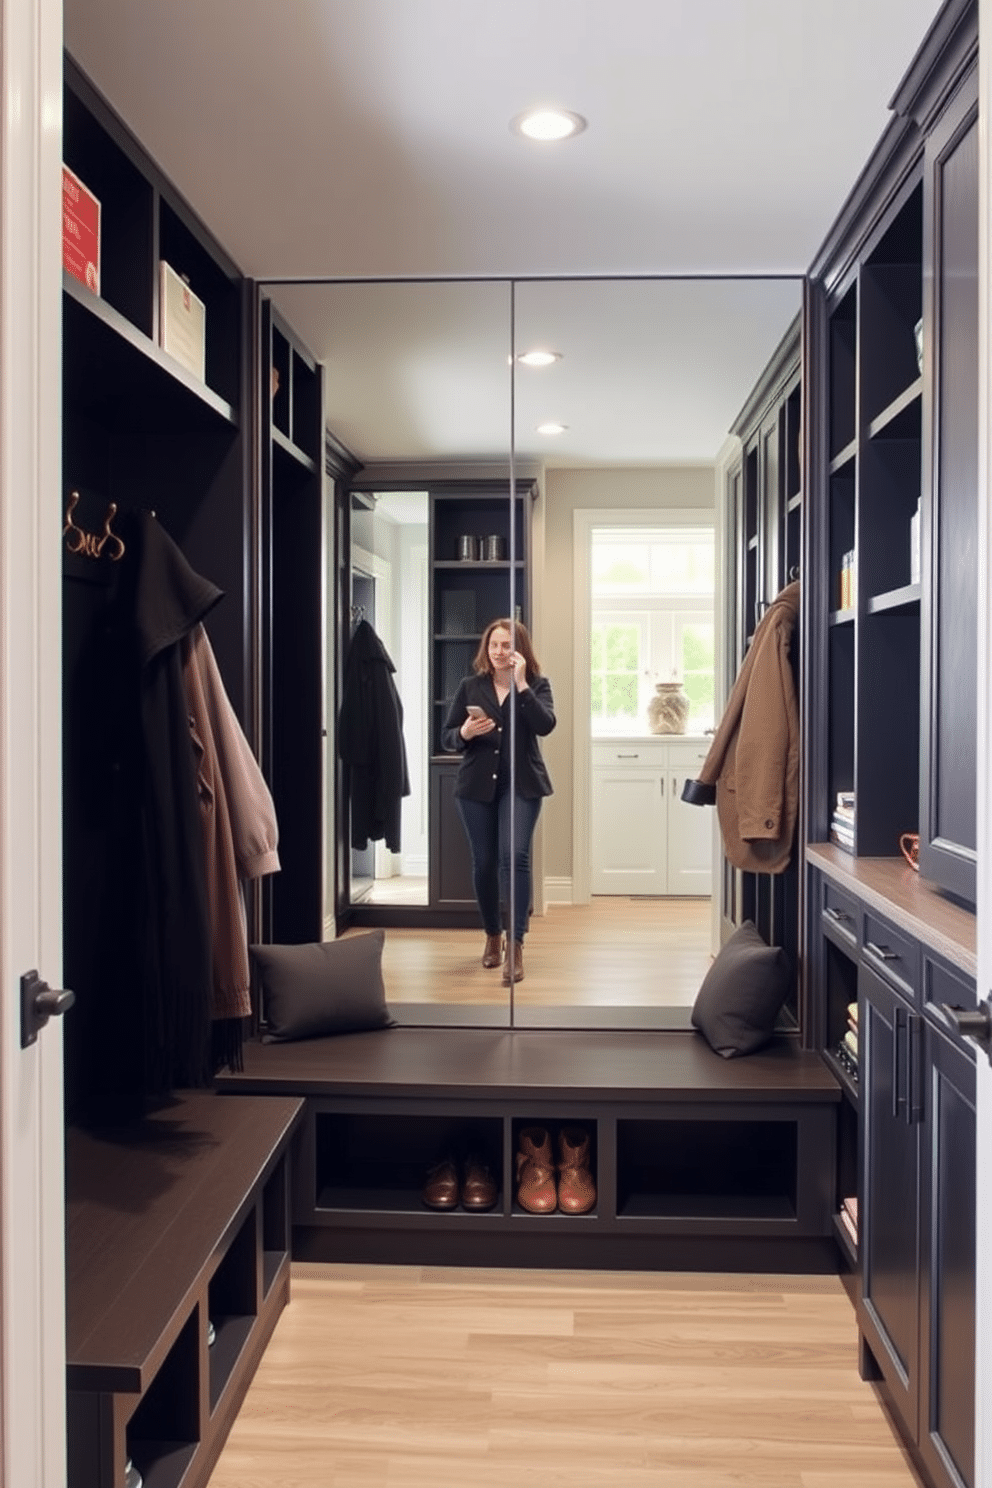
(487, 827)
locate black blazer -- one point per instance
(535, 717)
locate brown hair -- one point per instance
(521, 640)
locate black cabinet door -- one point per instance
(947, 1297)
(949, 630)
(888, 1215)
(450, 858)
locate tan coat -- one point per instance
(752, 769)
(240, 832)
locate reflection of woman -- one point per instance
(505, 671)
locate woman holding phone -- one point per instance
(505, 675)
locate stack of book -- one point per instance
(848, 581)
(849, 1217)
(842, 821)
(846, 1052)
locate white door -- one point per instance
(32, 1325)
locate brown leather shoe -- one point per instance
(493, 953)
(576, 1189)
(440, 1189)
(513, 966)
(536, 1188)
(479, 1188)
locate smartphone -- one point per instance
(474, 711)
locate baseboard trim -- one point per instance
(558, 891)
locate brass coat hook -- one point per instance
(77, 540)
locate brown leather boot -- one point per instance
(536, 1189)
(493, 953)
(576, 1189)
(513, 966)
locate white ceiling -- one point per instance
(370, 139)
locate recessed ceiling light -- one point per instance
(551, 428)
(548, 124)
(539, 358)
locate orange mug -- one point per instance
(909, 846)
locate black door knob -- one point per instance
(39, 1002)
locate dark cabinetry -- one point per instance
(141, 433)
(889, 943)
(292, 642)
(170, 1300)
(917, 1310)
(764, 502)
(950, 528)
(479, 572)
(890, 547)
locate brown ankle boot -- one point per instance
(576, 1189)
(493, 953)
(536, 1190)
(513, 966)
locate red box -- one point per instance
(80, 231)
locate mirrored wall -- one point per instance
(603, 405)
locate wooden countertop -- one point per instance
(150, 1206)
(892, 888)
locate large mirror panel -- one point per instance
(418, 385)
(609, 557)
(626, 425)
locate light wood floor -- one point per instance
(386, 1377)
(611, 952)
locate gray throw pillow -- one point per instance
(741, 994)
(334, 986)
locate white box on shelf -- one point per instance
(182, 321)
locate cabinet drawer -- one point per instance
(639, 754)
(839, 913)
(894, 954)
(688, 755)
(943, 984)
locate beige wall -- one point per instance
(564, 492)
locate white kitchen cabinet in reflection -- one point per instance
(645, 838)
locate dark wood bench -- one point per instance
(177, 1240)
(700, 1162)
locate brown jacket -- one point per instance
(752, 769)
(240, 832)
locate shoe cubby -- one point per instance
(553, 1126)
(378, 1163)
(232, 1305)
(714, 1169)
(275, 1226)
(164, 1432)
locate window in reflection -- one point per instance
(651, 624)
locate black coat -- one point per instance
(535, 717)
(370, 741)
(149, 980)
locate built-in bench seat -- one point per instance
(700, 1162)
(177, 1244)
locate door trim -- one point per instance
(32, 1222)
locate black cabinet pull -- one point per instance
(837, 915)
(915, 1078)
(897, 1100)
(884, 953)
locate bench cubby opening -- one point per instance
(723, 1168)
(377, 1162)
